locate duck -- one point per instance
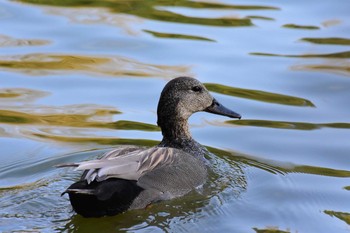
(134, 177)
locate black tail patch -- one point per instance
(97, 199)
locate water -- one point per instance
(80, 77)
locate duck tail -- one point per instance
(79, 191)
(67, 165)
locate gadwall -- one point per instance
(133, 177)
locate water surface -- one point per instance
(81, 77)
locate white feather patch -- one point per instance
(129, 166)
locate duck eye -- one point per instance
(196, 89)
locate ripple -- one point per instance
(227, 182)
(20, 95)
(269, 230)
(259, 95)
(79, 119)
(98, 16)
(39, 206)
(152, 10)
(340, 55)
(345, 217)
(247, 160)
(45, 64)
(260, 17)
(95, 140)
(177, 36)
(290, 125)
(278, 167)
(7, 41)
(31, 174)
(328, 40)
(82, 122)
(337, 67)
(305, 27)
(78, 115)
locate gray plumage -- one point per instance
(157, 170)
(172, 169)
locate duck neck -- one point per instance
(176, 134)
(176, 130)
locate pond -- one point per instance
(81, 77)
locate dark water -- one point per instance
(79, 77)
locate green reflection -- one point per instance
(323, 171)
(276, 167)
(42, 64)
(96, 140)
(62, 119)
(347, 188)
(5, 94)
(15, 117)
(269, 230)
(82, 120)
(131, 125)
(340, 215)
(330, 40)
(295, 26)
(259, 95)
(177, 36)
(212, 5)
(259, 17)
(51, 62)
(130, 4)
(289, 125)
(345, 54)
(153, 10)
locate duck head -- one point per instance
(180, 98)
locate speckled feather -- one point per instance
(133, 177)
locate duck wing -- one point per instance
(129, 166)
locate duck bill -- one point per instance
(219, 109)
